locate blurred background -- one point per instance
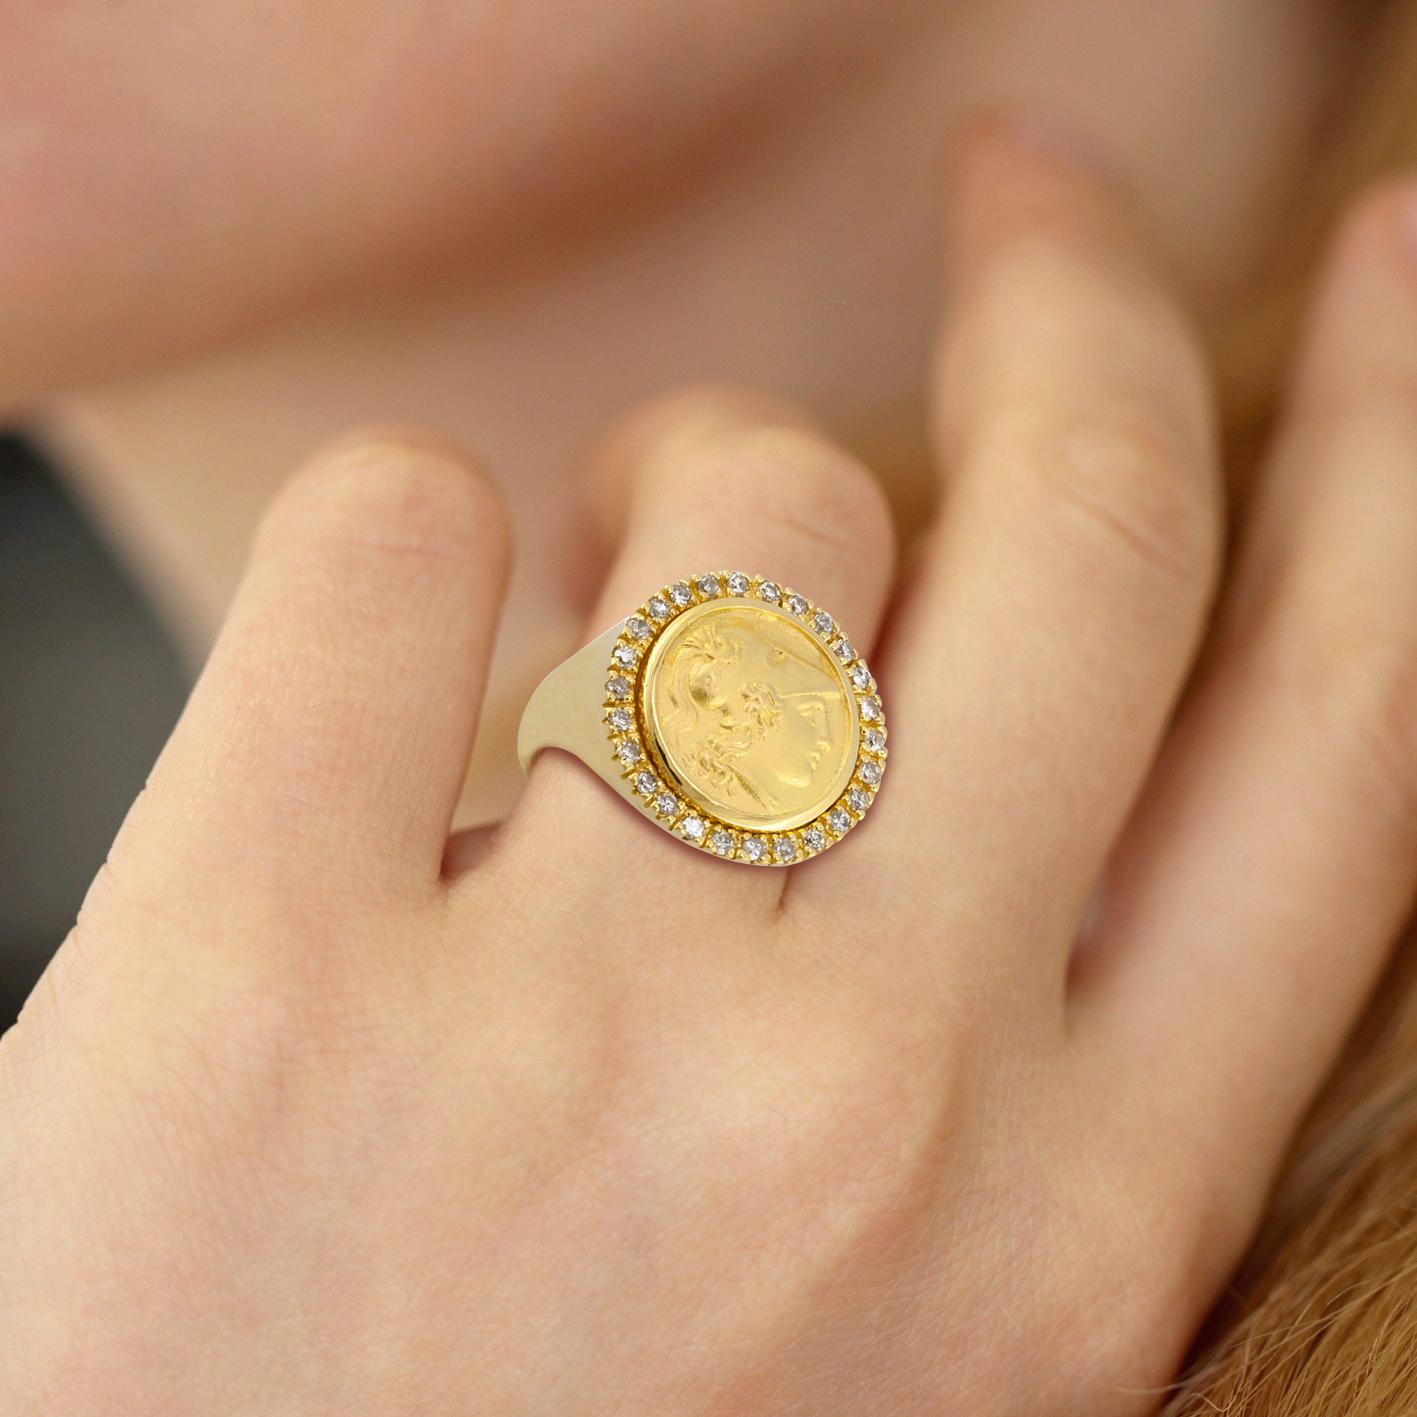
(89, 689)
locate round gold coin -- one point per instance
(739, 718)
(749, 715)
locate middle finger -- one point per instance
(1038, 655)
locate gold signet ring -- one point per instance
(728, 709)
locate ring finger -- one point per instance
(706, 481)
(1038, 655)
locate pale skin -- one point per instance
(319, 1110)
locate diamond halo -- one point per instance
(652, 786)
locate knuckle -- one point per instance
(1078, 379)
(392, 493)
(799, 484)
(1121, 482)
(650, 446)
(808, 470)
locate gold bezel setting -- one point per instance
(635, 759)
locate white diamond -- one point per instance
(785, 849)
(722, 842)
(637, 628)
(754, 848)
(815, 838)
(770, 591)
(796, 605)
(875, 740)
(838, 820)
(680, 593)
(843, 651)
(666, 804)
(861, 678)
(659, 607)
(621, 720)
(624, 655)
(708, 586)
(692, 829)
(629, 752)
(822, 623)
(738, 583)
(646, 784)
(871, 774)
(870, 710)
(617, 687)
(858, 799)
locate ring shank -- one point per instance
(557, 714)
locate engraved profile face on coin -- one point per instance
(750, 715)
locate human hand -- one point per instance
(316, 1112)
